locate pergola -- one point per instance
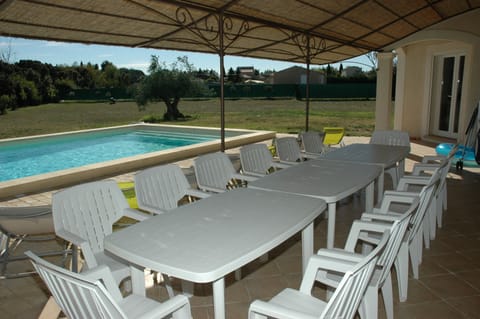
(305, 31)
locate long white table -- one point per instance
(384, 155)
(204, 241)
(324, 179)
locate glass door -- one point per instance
(447, 94)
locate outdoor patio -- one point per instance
(449, 284)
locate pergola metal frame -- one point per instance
(304, 31)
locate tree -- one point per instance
(169, 85)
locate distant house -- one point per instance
(297, 75)
(352, 71)
(246, 72)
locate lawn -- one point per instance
(287, 116)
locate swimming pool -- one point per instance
(36, 157)
(46, 162)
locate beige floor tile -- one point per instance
(430, 310)
(469, 306)
(449, 284)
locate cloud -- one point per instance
(139, 66)
(13, 44)
(55, 44)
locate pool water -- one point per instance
(35, 157)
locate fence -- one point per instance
(324, 91)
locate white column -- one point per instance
(383, 105)
(399, 89)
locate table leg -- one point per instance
(369, 197)
(219, 298)
(380, 186)
(332, 208)
(307, 245)
(138, 280)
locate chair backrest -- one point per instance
(288, 149)
(397, 234)
(213, 170)
(160, 186)
(77, 296)
(333, 135)
(445, 167)
(312, 142)
(426, 197)
(349, 293)
(89, 210)
(255, 159)
(395, 138)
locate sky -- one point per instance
(61, 53)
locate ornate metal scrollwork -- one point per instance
(309, 46)
(207, 29)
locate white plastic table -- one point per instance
(384, 155)
(324, 179)
(204, 241)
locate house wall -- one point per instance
(293, 75)
(415, 68)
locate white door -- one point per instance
(446, 95)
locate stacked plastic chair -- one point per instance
(257, 160)
(344, 303)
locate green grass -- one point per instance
(287, 116)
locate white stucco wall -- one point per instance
(415, 66)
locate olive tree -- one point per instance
(169, 85)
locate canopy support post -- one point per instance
(221, 53)
(307, 89)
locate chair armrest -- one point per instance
(81, 243)
(153, 210)
(359, 226)
(310, 155)
(246, 178)
(288, 163)
(168, 307)
(211, 189)
(254, 174)
(340, 254)
(406, 194)
(391, 197)
(405, 181)
(272, 310)
(281, 165)
(433, 158)
(387, 217)
(318, 262)
(71, 237)
(103, 273)
(197, 193)
(424, 167)
(135, 214)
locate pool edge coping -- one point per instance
(64, 178)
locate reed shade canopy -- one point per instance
(306, 31)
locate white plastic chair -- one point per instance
(289, 151)
(313, 142)
(160, 188)
(215, 173)
(94, 294)
(300, 304)
(412, 246)
(85, 214)
(429, 164)
(367, 232)
(256, 160)
(394, 138)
